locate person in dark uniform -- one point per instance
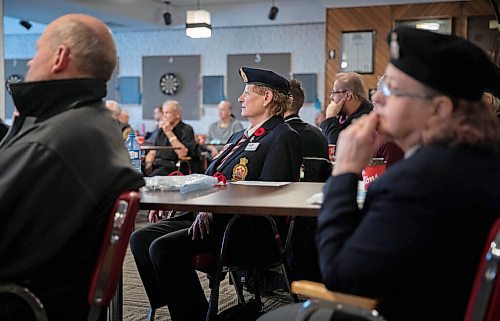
(63, 164)
(416, 242)
(316, 167)
(348, 101)
(314, 145)
(173, 132)
(269, 150)
(3, 129)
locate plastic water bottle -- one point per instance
(134, 150)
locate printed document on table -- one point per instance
(260, 183)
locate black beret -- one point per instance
(446, 63)
(263, 77)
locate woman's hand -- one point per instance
(357, 144)
(201, 226)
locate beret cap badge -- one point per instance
(394, 46)
(243, 75)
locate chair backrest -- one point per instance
(109, 264)
(484, 301)
(315, 169)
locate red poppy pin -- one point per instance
(259, 132)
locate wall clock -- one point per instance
(169, 84)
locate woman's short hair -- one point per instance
(280, 102)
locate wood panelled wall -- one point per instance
(382, 19)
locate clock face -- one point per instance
(12, 79)
(169, 84)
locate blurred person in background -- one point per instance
(348, 101)
(220, 131)
(119, 114)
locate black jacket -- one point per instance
(417, 241)
(62, 166)
(332, 127)
(275, 156)
(317, 167)
(3, 130)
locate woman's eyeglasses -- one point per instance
(386, 91)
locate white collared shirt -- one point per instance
(250, 130)
(411, 151)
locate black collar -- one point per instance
(43, 99)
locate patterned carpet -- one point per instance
(135, 301)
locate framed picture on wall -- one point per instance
(357, 51)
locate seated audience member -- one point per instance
(61, 172)
(348, 101)
(220, 131)
(317, 168)
(116, 112)
(174, 132)
(314, 145)
(3, 129)
(270, 151)
(157, 116)
(417, 241)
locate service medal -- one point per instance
(240, 171)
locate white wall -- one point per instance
(305, 42)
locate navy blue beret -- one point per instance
(446, 63)
(263, 77)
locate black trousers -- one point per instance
(163, 253)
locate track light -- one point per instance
(167, 17)
(273, 12)
(25, 24)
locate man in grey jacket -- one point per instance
(62, 166)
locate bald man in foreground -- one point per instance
(63, 165)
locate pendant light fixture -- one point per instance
(198, 23)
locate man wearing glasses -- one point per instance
(348, 101)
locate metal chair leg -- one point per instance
(238, 286)
(116, 304)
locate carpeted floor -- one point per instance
(136, 305)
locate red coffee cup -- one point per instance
(373, 171)
(140, 139)
(331, 152)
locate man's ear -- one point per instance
(61, 59)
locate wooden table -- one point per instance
(287, 200)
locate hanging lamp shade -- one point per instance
(198, 24)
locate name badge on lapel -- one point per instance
(252, 146)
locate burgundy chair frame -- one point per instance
(484, 301)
